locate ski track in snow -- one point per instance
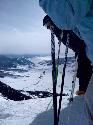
(25, 112)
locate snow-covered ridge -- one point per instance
(14, 65)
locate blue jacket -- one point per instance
(76, 15)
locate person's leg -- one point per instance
(83, 83)
(84, 73)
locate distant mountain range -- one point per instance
(7, 62)
(61, 61)
(11, 63)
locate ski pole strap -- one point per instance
(63, 75)
(54, 78)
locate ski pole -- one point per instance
(63, 76)
(54, 78)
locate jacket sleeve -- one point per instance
(66, 14)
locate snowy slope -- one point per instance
(73, 114)
(30, 112)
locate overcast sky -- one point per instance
(21, 30)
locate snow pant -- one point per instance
(84, 72)
(89, 102)
(83, 83)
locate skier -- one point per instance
(84, 71)
(76, 15)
